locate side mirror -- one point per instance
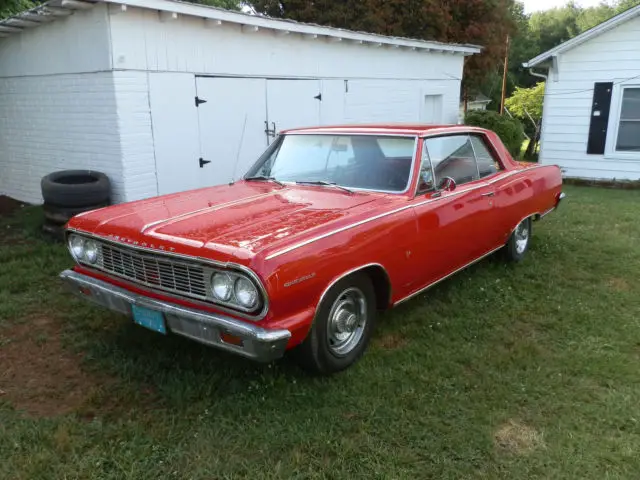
(447, 184)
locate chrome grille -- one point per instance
(154, 270)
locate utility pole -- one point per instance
(504, 77)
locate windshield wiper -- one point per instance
(324, 183)
(262, 178)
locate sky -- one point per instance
(535, 5)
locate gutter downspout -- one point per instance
(539, 75)
(545, 78)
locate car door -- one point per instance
(503, 191)
(453, 225)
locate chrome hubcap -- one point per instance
(347, 319)
(522, 237)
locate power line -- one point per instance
(588, 89)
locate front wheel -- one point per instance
(518, 243)
(342, 328)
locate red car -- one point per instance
(330, 226)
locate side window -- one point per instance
(487, 163)
(425, 179)
(452, 156)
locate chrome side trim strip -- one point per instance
(346, 274)
(410, 296)
(205, 261)
(385, 214)
(544, 214)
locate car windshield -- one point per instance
(368, 162)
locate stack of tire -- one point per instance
(67, 193)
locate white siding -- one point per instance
(613, 56)
(141, 41)
(74, 93)
(57, 122)
(74, 44)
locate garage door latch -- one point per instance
(203, 162)
(199, 101)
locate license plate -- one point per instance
(149, 319)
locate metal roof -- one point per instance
(54, 9)
(399, 129)
(583, 37)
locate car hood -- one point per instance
(238, 220)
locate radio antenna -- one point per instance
(235, 167)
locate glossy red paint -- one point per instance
(299, 240)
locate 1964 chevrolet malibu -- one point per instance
(330, 226)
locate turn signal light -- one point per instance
(231, 339)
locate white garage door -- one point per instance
(293, 103)
(217, 141)
(175, 131)
(232, 126)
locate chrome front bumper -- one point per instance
(256, 343)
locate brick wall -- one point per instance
(97, 121)
(136, 137)
(57, 122)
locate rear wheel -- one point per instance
(342, 328)
(518, 243)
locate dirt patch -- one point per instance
(618, 284)
(518, 438)
(391, 341)
(8, 205)
(38, 376)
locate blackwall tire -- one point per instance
(61, 215)
(328, 349)
(54, 231)
(75, 188)
(519, 242)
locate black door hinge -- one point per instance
(199, 101)
(203, 162)
(318, 97)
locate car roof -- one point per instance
(384, 129)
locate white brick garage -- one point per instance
(113, 87)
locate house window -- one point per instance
(629, 127)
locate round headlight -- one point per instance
(76, 245)
(91, 251)
(246, 293)
(221, 286)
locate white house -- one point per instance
(166, 96)
(591, 116)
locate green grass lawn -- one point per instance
(504, 371)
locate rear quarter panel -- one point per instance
(530, 190)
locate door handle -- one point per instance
(203, 162)
(270, 132)
(489, 194)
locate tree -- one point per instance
(481, 22)
(228, 4)
(526, 104)
(11, 7)
(508, 129)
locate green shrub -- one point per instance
(508, 129)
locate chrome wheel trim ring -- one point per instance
(522, 237)
(347, 321)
